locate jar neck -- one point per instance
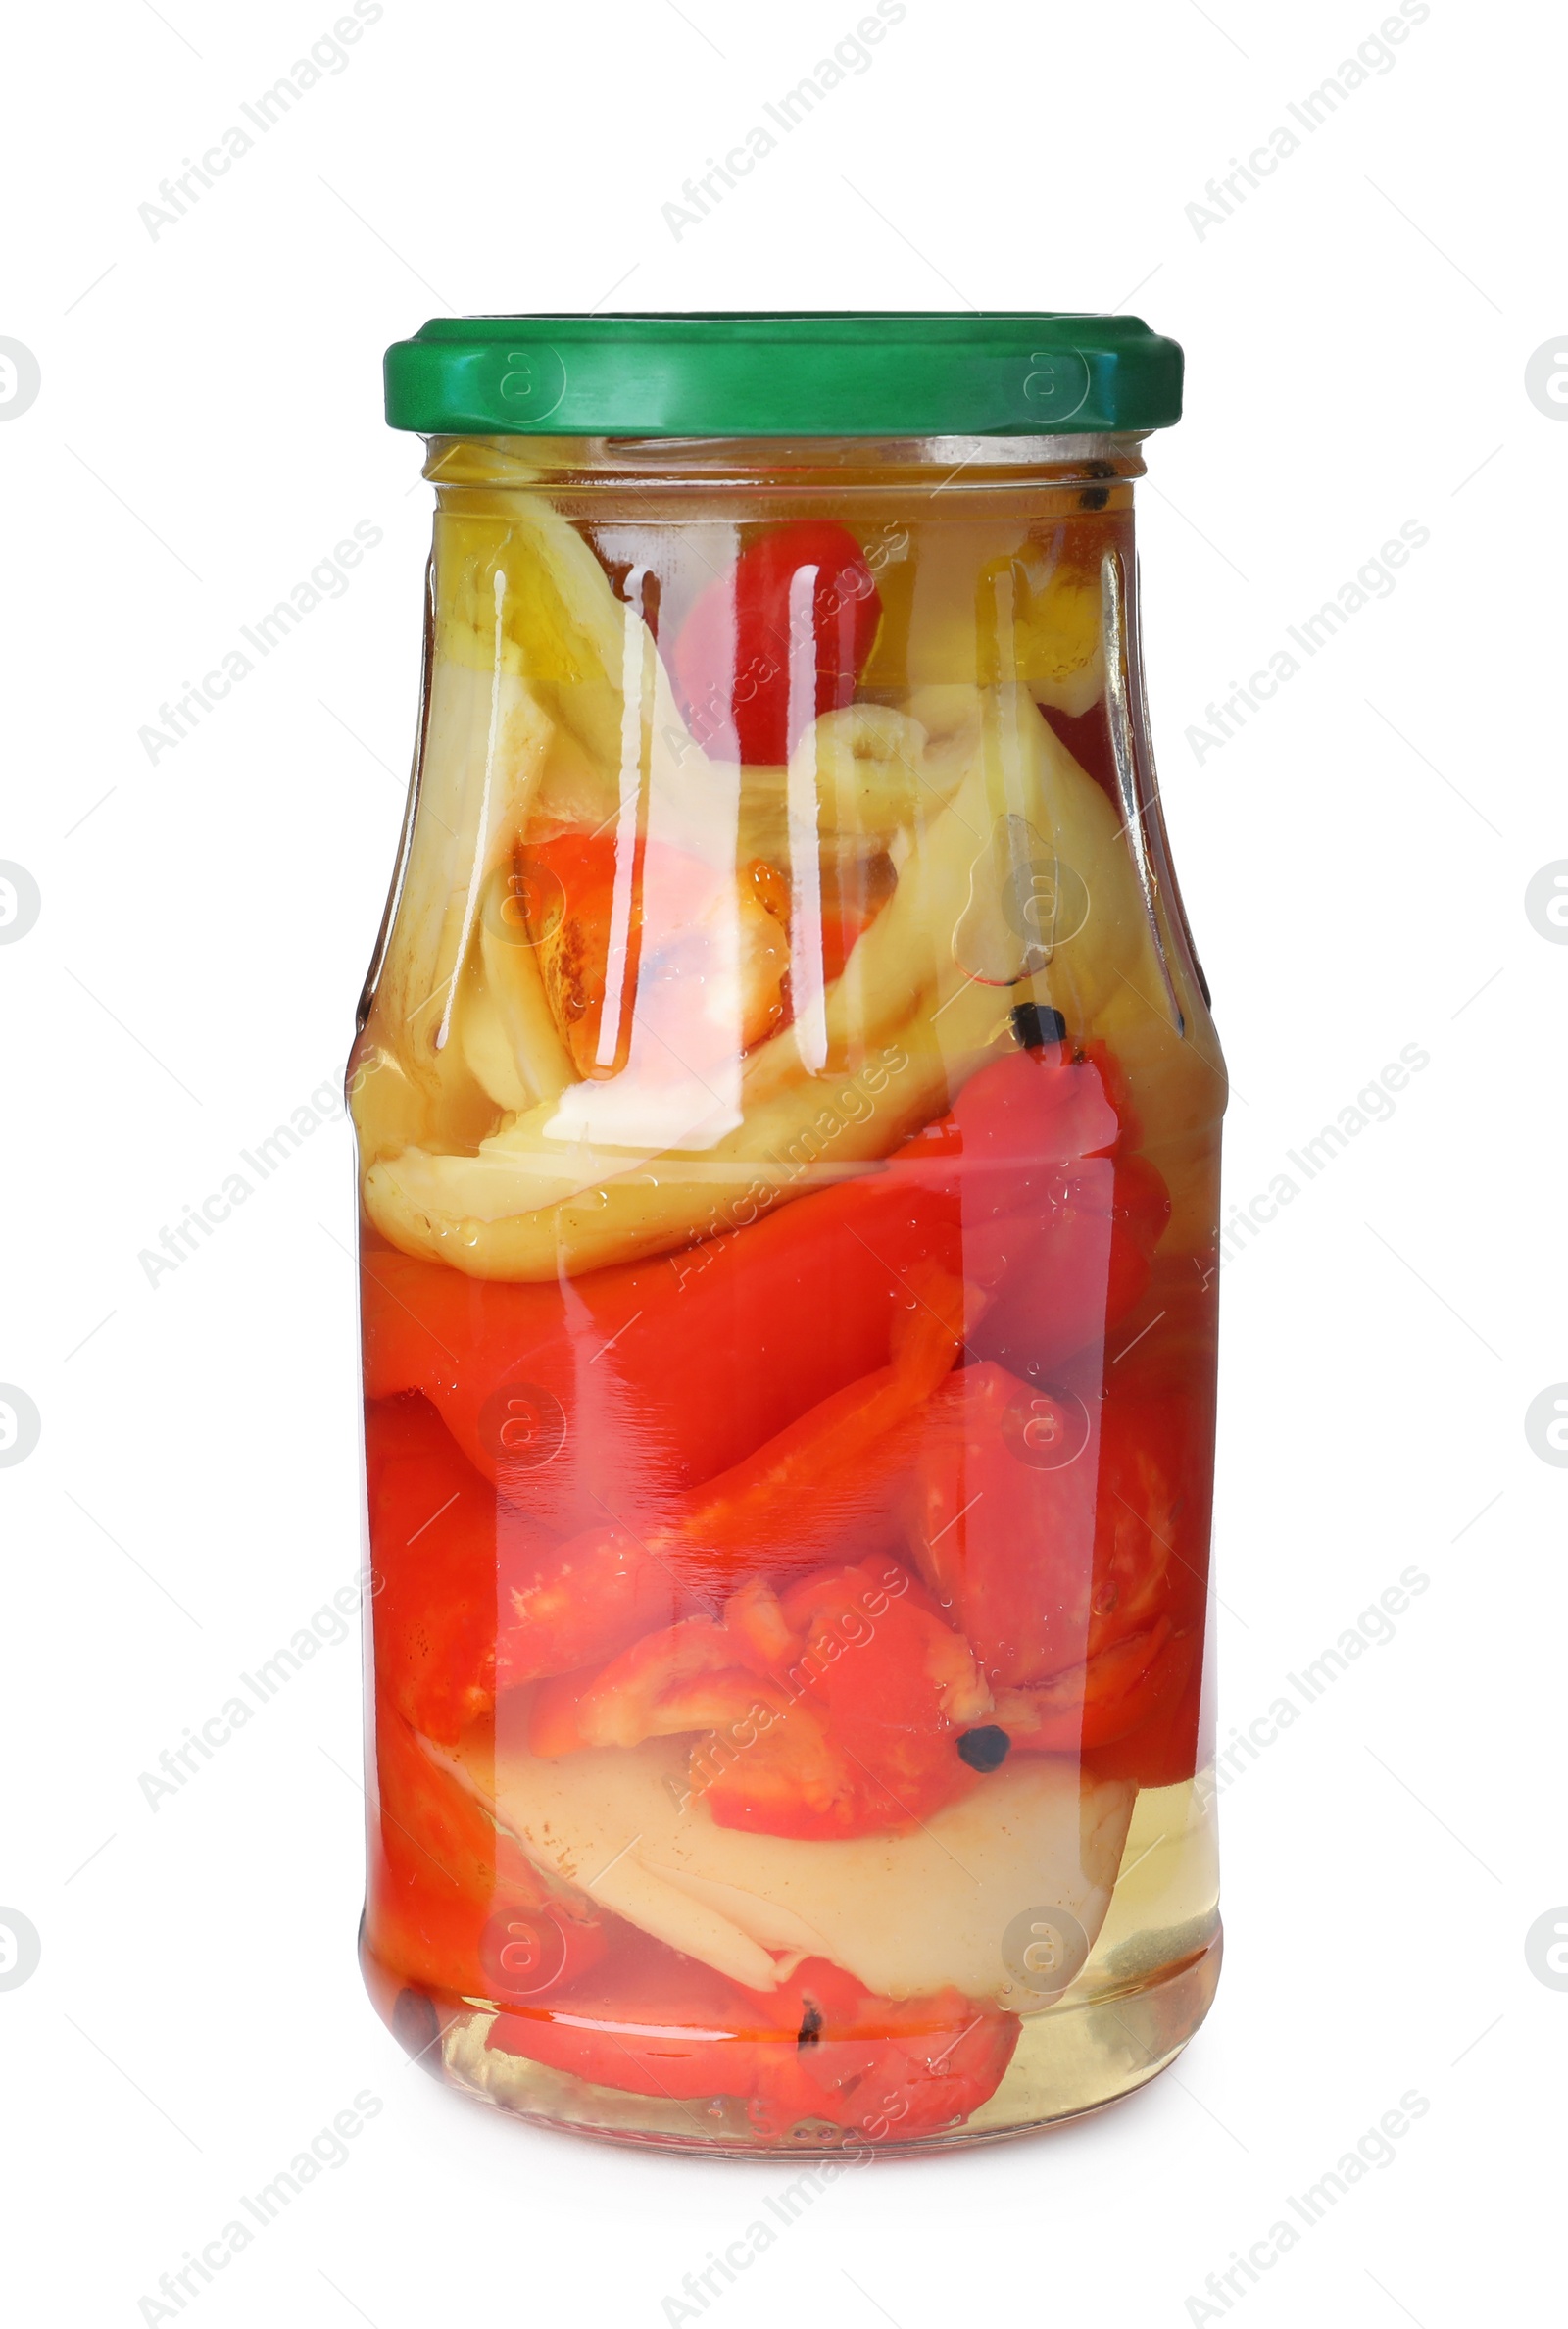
(798, 464)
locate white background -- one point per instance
(1354, 861)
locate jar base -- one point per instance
(1073, 2059)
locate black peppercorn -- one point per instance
(1095, 497)
(1035, 1024)
(985, 1749)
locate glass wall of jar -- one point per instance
(788, 1114)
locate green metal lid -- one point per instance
(828, 374)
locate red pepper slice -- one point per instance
(875, 2066)
(647, 2022)
(900, 2068)
(1059, 1221)
(783, 636)
(1046, 1106)
(827, 1479)
(454, 1562)
(832, 1710)
(1169, 1745)
(586, 1600)
(819, 2047)
(1114, 1693)
(1014, 1190)
(567, 887)
(863, 1722)
(1057, 1280)
(1052, 1531)
(809, 1293)
(440, 1537)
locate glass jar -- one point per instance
(788, 1114)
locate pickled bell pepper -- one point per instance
(818, 2048)
(815, 1289)
(799, 598)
